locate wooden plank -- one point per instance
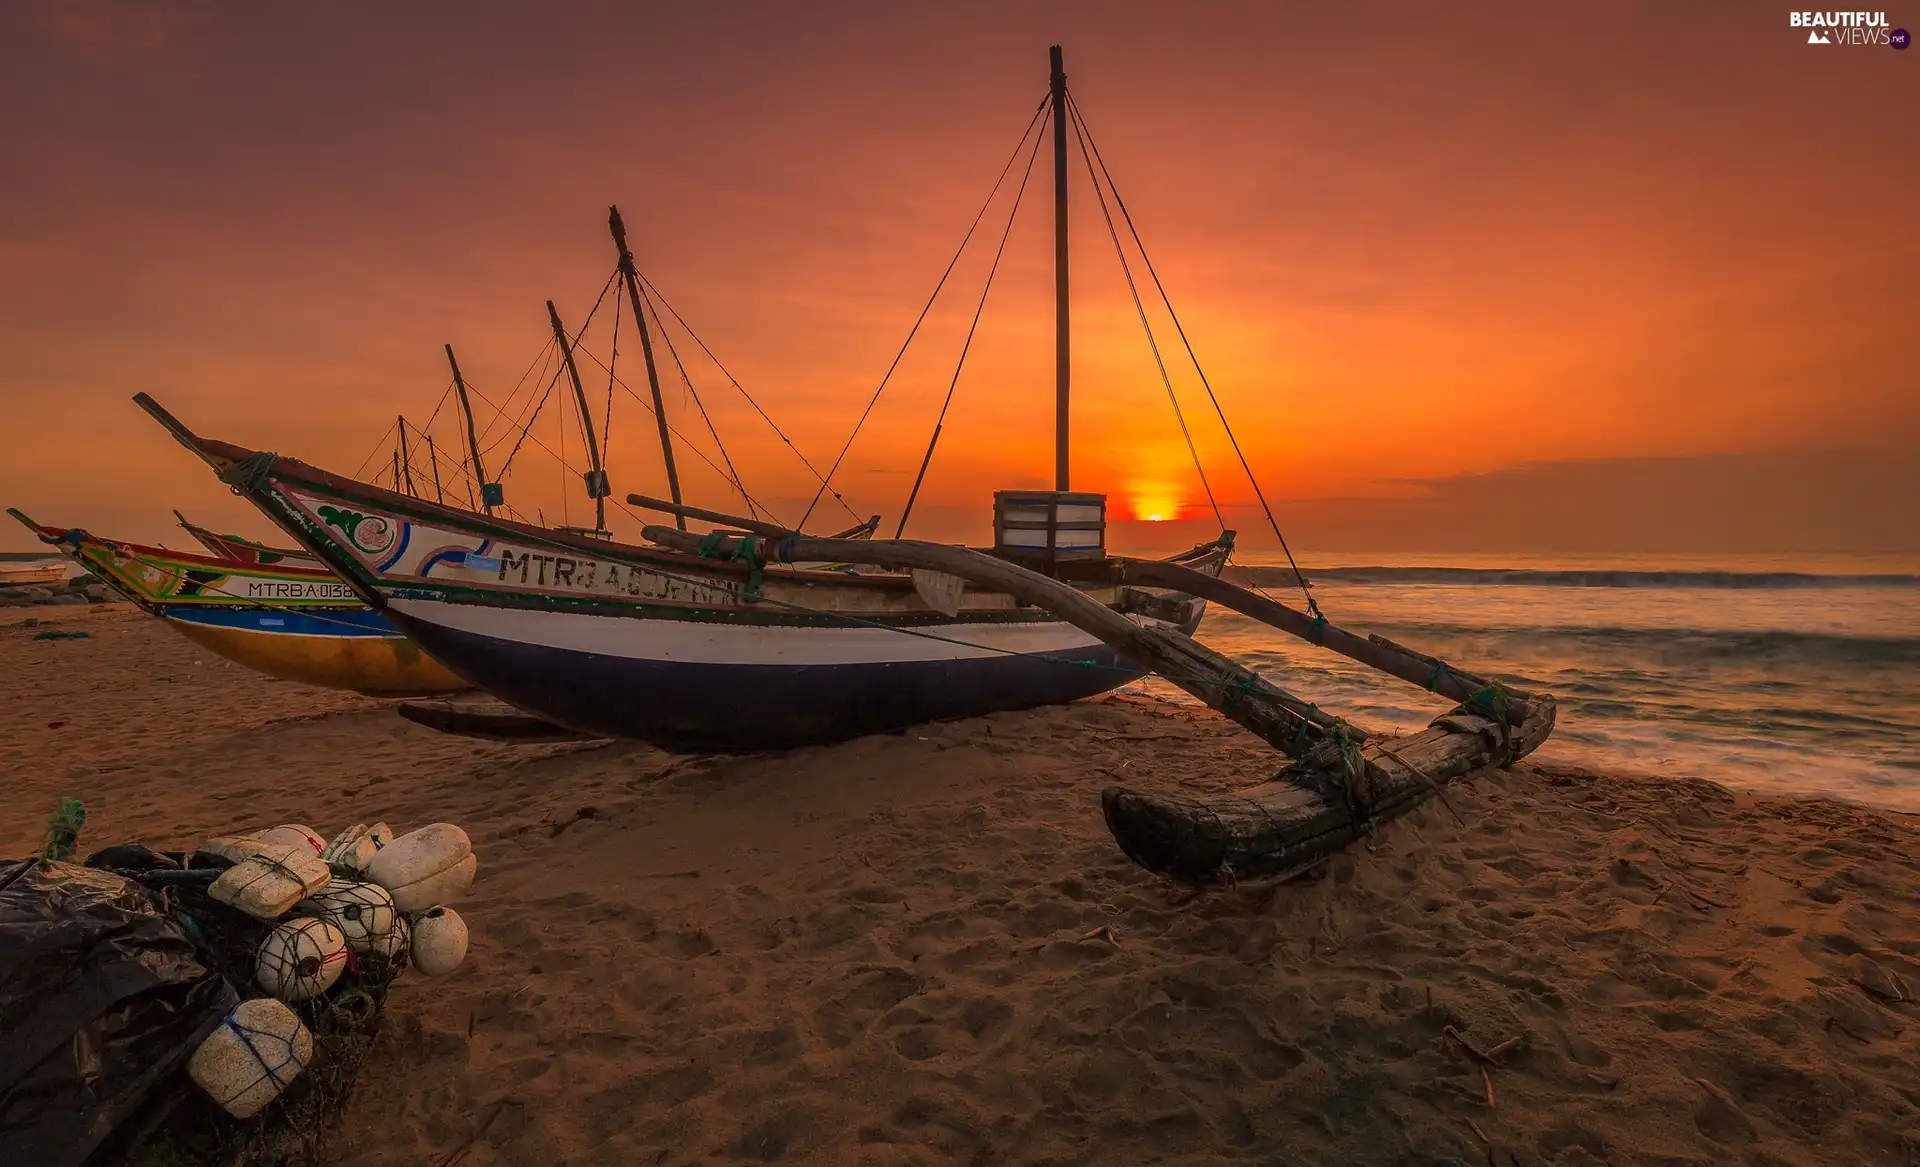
(491, 720)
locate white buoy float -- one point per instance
(425, 867)
(356, 846)
(439, 941)
(397, 940)
(301, 959)
(363, 912)
(293, 833)
(259, 1048)
(269, 878)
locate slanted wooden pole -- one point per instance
(406, 461)
(632, 280)
(683, 512)
(1416, 668)
(757, 526)
(596, 477)
(433, 460)
(473, 440)
(1062, 349)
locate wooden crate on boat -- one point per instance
(1049, 525)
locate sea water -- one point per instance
(1788, 676)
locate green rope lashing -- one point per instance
(63, 831)
(1353, 772)
(710, 546)
(1300, 733)
(1492, 701)
(1439, 671)
(747, 550)
(249, 473)
(1319, 626)
(1236, 690)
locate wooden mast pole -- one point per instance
(406, 458)
(632, 280)
(433, 460)
(1063, 358)
(473, 440)
(596, 477)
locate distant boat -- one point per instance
(241, 548)
(295, 622)
(29, 575)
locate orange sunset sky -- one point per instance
(1602, 277)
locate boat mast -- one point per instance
(632, 280)
(487, 489)
(1063, 358)
(596, 477)
(406, 460)
(433, 460)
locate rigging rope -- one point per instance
(648, 406)
(501, 411)
(574, 343)
(654, 296)
(733, 475)
(1179, 415)
(1312, 605)
(912, 332)
(378, 447)
(967, 345)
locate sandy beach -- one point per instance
(924, 947)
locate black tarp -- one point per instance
(101, 998)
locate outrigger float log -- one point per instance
(1341, 781)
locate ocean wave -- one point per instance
(1569, 578)
(1620, 646)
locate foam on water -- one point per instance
(1787, 686)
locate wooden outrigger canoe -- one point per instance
(725, 641)
(289, 621)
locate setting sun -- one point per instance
(1155, 505)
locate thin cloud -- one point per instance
(118, 32)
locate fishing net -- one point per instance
(181, 1125)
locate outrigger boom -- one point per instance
(1342, 779)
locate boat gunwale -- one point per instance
(369, 580)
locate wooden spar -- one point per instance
(473, 440)
(1291, 725)
(1062, 349)
(757, 526)
(596, 477)
(1416, 668)
(396, 470)
(491, 721)
(406, 460)
(632, 280)
(859, 530)
(433, 460)
(683, 512)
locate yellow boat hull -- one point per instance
(378, 666)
